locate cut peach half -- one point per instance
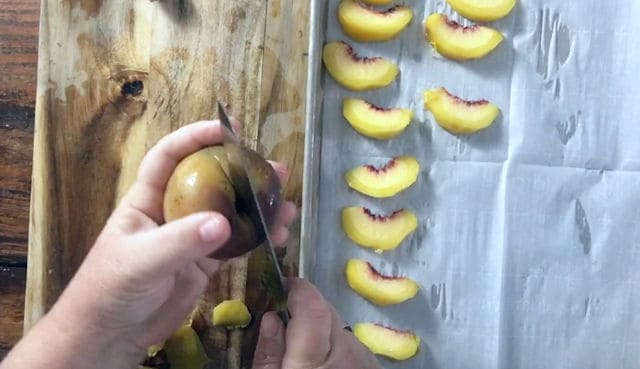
(458, 42)
(483, 10)
(373, 121)
(380, 289)
(357, 73)
(388, 342)
(459, 116)
(385, 181)
(380, 232)
(366, 24)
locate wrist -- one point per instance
(84, 342)
(60, 342)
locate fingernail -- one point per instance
(212, 230)
(270, 325)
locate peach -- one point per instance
(363, 23)
(373, 121)
(231, 314)
(483, 11)
(207, 180)
(380, 232)
(357, 73)
(387, 342)
(386, 181)
(455, 41)
(459, 116)
(382, 290)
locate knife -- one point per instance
(273, 273)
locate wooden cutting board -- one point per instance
(114, 77)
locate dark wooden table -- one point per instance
(18, 64)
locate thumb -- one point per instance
(271, 347)
(173, 245)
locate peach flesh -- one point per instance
(381, 217)
(382, 169)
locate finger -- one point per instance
(279, 236)
(208, 266)
(147, 192)
(174, 245)
(309, 330)
(281, 170)
(271, 344)
(345, 347)
(287, 214)
(190, 284)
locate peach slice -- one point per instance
(377, 2)
(185, 350)
(388, 342)
(382, 290)
(459, 116)
(231, 314)
(386, 181)
(373, 121)
(455, 41)
(381, 232)
(483, 10)
(357, 73)
(363, 23)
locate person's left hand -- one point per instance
(142, 278)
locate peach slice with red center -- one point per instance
(357, 73)
(385, 181)
(455, 41)
(483, 10)
(380, 232)
(459, 116)
(380, 289)
(366, 24)
(387, 342)
(373, 121)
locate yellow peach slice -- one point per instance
(377, 2)
(388, 342)
(382, 290)
(386, 181)
(459, 116)
(373, 121)
(231, 314)
(455, 41)
(380, 232)
(356, 72)
(184, 349)
(366, 24)
(483, 10)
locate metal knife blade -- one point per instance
(256, 214)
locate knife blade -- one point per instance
(273, 271)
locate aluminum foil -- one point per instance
(528, 248)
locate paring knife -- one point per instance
(274, 277)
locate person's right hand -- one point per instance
(315, 338)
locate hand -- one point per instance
(315, 337)
(142, 278)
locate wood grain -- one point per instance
(11, 303)
(90, 137)
(18, 57)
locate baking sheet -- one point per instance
(528, 245)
